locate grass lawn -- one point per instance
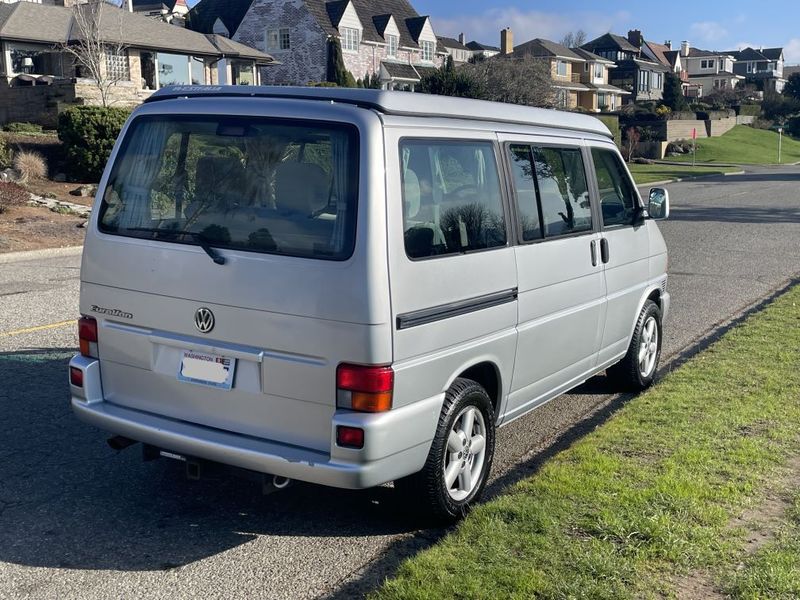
(647, 498)
(745, 145)
(643, 174)
(774, 570)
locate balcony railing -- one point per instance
(576, 78)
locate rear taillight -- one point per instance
(364, 388)
(87, 336)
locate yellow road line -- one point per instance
(37, 328)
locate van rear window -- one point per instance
(260, 185)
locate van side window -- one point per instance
(525, 189)
(558, 179)
(452, 201)
(617, 195)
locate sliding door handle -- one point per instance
(593, 249)
(604, 254)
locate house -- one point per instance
(149, 55)
(600, 95)
(635, 72)
(384, 37)
(480, 51)
(169, 11)
(565, 65)
(455, 48)
(709, 71)
(763, 68)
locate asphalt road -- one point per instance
(78, 520)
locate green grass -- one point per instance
(744, 145)
(643, 174)
(774, 570)
(646, 497)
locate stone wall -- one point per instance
(42, 103)
(682, 129)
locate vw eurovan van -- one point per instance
(355, 287)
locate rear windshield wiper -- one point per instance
(201, 240)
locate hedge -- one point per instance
(749, 110)
(89, 133)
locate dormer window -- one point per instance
(392, 43)
(428, 48)
(351, 38)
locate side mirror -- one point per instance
(658, 206)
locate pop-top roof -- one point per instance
(401, 103)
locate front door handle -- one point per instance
(593, 248)
(604, 254)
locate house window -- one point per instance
(657, 80)
(562, 98)
(198, 69)
(644, 81)
(393, 42)
(278, 39)
(350, 39)
(173, 69)
(561, 68)
(427, 51)
(117, 68)
(598, 71)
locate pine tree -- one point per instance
(673, 93)
(337, 72)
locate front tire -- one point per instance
(458, 463)
(637, 370)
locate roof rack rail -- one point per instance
(399, 103)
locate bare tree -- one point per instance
(573, 39)
(514, 80)
(95, 44)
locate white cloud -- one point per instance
(708, 31)
(791, 52)
(526, 25)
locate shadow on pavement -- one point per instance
(67, 500)
(741, 214)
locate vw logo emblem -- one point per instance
(204, 320)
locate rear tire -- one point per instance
(458, 463)
(637, 370)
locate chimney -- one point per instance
(668, 44)
(506, 41)
(685, 47)
(461, 38)
(635, 37)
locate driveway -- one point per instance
(79, 520)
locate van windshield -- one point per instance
(261, 185)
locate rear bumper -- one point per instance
(396, 442)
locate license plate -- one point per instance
(207, 369)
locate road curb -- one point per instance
(12, 257)
(679, 179)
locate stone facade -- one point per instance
(306, 61)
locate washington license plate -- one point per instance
(207, 369)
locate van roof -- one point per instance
(401, 103)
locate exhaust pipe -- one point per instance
(119, 442)
(281, 483)
(273, 484)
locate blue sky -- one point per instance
(715, 25)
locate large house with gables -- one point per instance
(384, 37)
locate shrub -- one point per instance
(663, 110)
(762, 124)
(89, 133)
(23, 128)
(612, 122)
(30, 165)
(6, 156)
(750, 110)
(12, 194)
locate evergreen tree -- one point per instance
(673, 93)
(792, 88)
(337, 72)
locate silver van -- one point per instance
(354, 287)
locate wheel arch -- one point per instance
(486, 372)
(652, 292)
